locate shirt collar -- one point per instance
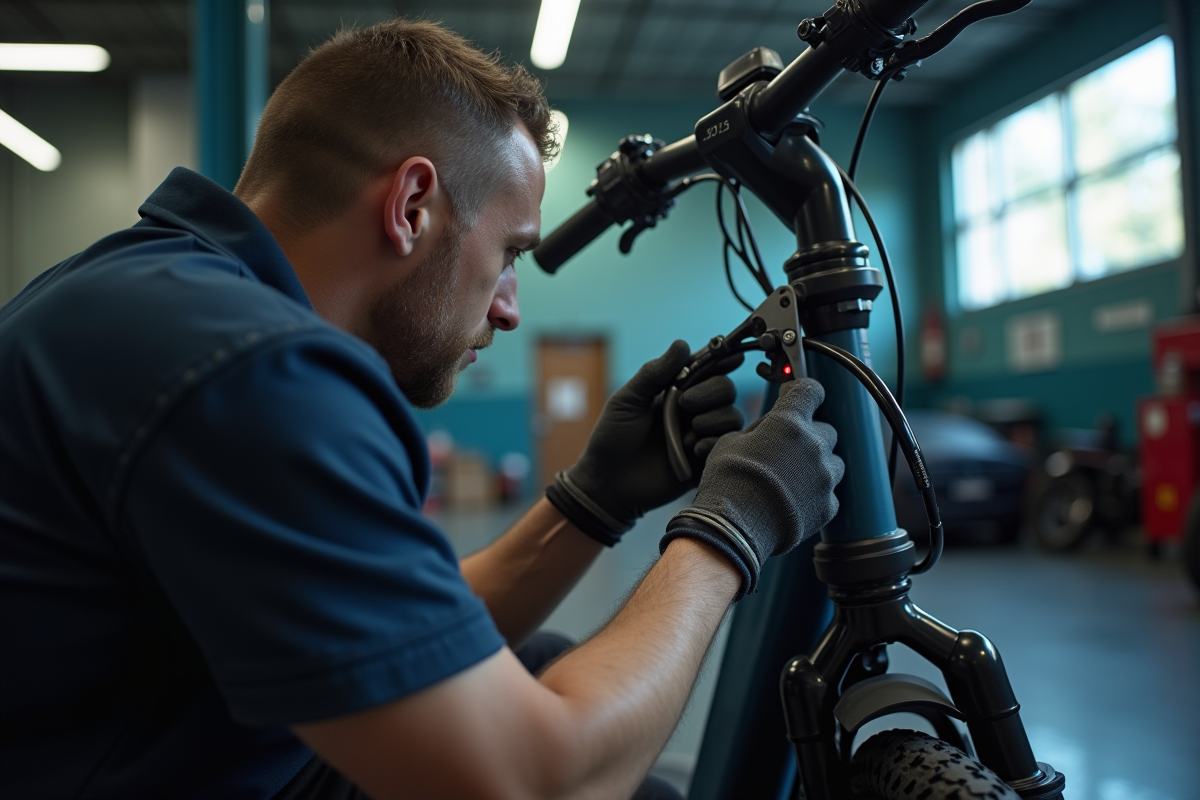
(194, 203)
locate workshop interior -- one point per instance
(1017, 228)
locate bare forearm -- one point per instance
(626, 687)
(590, 728)
(524, 574)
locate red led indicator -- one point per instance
(787, 369)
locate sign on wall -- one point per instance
(566, 398)
(1034, 341)
(1128, 316)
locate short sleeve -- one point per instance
(278, 510)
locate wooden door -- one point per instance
(572, 385)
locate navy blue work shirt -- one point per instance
(210, 520)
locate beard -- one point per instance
(414, 328)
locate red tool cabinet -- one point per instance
(1169, 431)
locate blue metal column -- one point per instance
(230, 48)
(1184, 20)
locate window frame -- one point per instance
(1068, 185)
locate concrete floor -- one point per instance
(1102, 647)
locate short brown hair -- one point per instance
(367, 99)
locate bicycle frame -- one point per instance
(757, 140)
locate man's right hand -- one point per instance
(767, 488)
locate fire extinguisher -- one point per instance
(933, 344)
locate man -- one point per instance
(214, 561)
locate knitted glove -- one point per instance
(767, 488)
(624, 471)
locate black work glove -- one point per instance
(624, 471)
(767, 488)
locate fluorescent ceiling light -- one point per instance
(560, 136)
(53, 57)
(552, 35)
(28, 145)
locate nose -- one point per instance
(503, 313)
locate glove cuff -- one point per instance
(715, 530)
(583, 512)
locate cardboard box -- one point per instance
(470, 483)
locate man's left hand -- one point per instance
(624, 471)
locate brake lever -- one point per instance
(914, 51)
(773, 328)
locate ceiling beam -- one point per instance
(627, 34)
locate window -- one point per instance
(1080, 184)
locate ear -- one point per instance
(413, 206)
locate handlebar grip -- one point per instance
(676, 454)
(572, 236)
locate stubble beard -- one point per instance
(413, 328)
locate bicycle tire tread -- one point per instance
(910, 765)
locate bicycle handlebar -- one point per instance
(572, 236)
(676, 160)
(666, 164)
(863, 30)
(856, 32)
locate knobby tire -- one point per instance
(909, 765)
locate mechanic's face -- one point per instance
(432, 324)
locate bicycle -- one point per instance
(762, 139)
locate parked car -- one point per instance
(978, 478)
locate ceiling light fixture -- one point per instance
(28, 145)
(53, 57)
(552, 35)
(561, 123)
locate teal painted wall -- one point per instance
(672, 285)
(1100, 372)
